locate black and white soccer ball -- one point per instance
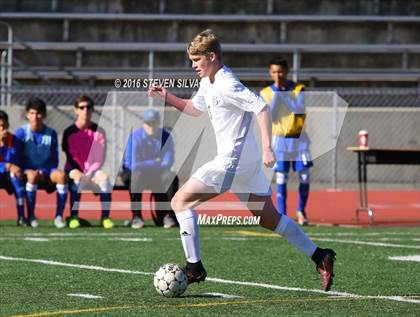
(170, 280)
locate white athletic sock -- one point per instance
(62, 188)
(31, 187)
(190, 235)
(105, 187)
(295, 235)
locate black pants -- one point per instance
(163, 184)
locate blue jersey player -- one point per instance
(40, 161)
(290, 144)
(10, 162)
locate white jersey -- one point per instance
(230, 106)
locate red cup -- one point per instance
(363, 139)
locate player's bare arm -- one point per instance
(184, 105)
(264, 122)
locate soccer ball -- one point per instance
(170, 280)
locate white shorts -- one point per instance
(244, 178)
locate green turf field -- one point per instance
(251, 273)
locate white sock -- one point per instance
(295, 235)
(61, 188)
(31, 187)
(190, 235)
(105, 187)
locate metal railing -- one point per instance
(296, 49)
(6, 64)
(210, 17)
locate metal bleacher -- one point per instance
(248, 74)
(148, 51)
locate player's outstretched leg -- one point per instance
(283, 225)
(190, 195)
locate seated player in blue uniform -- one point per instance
(290, 144)
(147, 165)
(40, 161)
(11, 176)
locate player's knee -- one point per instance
(101, 177)
(18, 173)
(15, 171)
(59, 177)
(304, 177)
(32, 176)
(75, 175)
(178, 204)
(175, 204)
(281, 178)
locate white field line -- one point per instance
(36, 239)
(368, 239)
(333, 234)
(79, 266)
(137, 234)
(132, 239)
(413, 258)
(215, 280)
(135, 237)
(233, 238)
(74, 234)
(376, 244)
(363, 234)
(89, 296)
(124, 239)
(398, 239)
(298, 289)
(222, 295)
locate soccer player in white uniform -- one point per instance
(237, 166)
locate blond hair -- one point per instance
(204, 43)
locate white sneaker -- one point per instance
(301, 218)
(168, 222)
(33, 223)
(59, 223)
(137, 223)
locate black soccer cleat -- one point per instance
(21, 222)
(195, 272)
(325, 267)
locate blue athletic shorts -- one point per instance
(302, 162)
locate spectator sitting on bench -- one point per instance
(11, 177)
(147, 163)
(84, 144)
(40, 161)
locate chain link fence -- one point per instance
(390, 115)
